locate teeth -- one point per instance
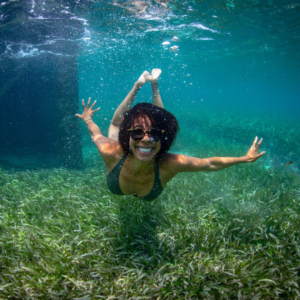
(146, 150)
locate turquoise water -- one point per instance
(234, 57)
(230, 69)
(231, 57)
(240, 56)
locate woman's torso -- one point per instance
(140, 184)
(121, 180)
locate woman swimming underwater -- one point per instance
(135, 152)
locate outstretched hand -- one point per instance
(252, 155)
(88, 111)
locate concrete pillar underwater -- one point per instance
(69, 136)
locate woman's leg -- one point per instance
(113, 131)
(154, 83)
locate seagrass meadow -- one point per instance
(232, 234)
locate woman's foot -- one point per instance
(155, 73)
(144, 78)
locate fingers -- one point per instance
(253, 152)
(87, 109)
(259, 155)
(93, 111)
(93, 104)
(96, 110)
(255, 141)
(255, 144)
(89, 101)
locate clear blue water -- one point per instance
(239, 55)
(239, 58)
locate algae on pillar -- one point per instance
(69, 137)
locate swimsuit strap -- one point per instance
(157, 188)
(113, 184)
(112, 178)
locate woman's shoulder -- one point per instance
(171, 162)
(171, 159)
(174, 163)
(110, 147)
(111, 152)
(169, 165)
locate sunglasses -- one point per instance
(153, 134)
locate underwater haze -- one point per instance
(230, 72)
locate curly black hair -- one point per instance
(160, 119)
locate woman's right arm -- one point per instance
(106, 146)
(86, 116)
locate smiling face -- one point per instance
(144, 149)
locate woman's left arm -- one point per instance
(193, 164)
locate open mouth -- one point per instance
(145, 151)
